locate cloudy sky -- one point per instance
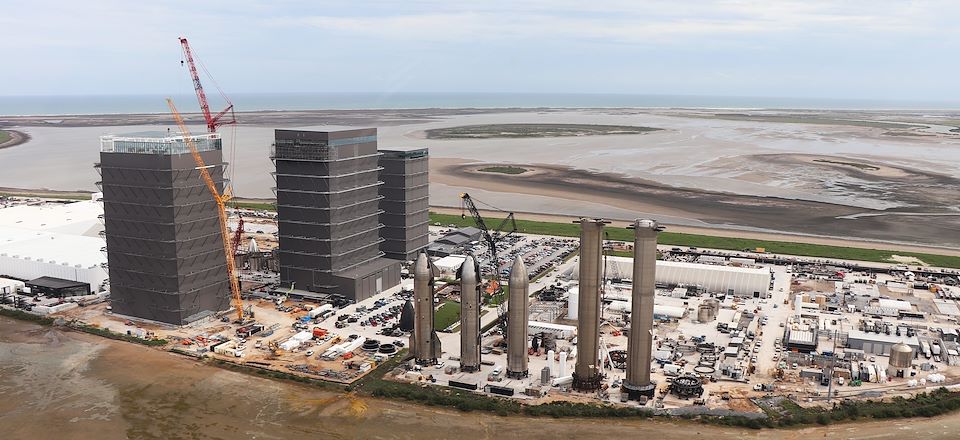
(899, 50)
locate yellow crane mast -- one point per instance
(221, 200)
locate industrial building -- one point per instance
(453, 242)
(328, 211)
(163, 240)
(53, 239)
(878, 343)
(405, 204)
(57, 287)
(739, 281)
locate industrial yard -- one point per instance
(729, 329)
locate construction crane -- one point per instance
(213, 121)
(491, 237)
(494, 284)
(221, 200)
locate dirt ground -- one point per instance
(78, 386)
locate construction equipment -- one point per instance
(490, 237)
(213, 121)
(221, 200)
(494, 285)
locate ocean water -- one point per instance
(122, 104)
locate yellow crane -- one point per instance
(221, 200)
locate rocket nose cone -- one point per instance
(468, 271)
(518, 273)
(422, 266)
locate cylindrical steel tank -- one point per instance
(587, 372)
(573, 302)
(469, 315)
(901, 355)
(640, 342)
(425, 344)
(518, 312)
(703, 313)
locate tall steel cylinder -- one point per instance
(587, 372)
(640, 342)
(469, 315)
(518, 312)
(424, 341)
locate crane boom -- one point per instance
(213, 121)
(221, 200)
(492, 238)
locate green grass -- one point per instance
(446, 315)
(119, 336)
(27, 194)
(4, 136)
(257, 206)
(504, 170)
(730, 243)
(24, 316)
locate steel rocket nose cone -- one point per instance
(468, 271)
(518, 273)
(421, 269)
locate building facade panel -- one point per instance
(161, 226)
(405, 204)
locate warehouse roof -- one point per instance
(77, 218)
(55, 283)
(880, 337)
(49, 247)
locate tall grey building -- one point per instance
(328, 211)
(161, 225)
(405, 203)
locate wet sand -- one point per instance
(695, 207)
(789, 172)
(70, 385)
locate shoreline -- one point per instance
(17, 137)
(851, 242)
(553, 410)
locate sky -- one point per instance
(850, 49)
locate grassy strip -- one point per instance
(730, 243)
(695, 240)
(273, 374)
(29, 195)
(24, 316)
(938, 402)
(447, 314)
(119, 336)
(504, 170)
(256, 206)
(5, 136)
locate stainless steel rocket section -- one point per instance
(426, 346)
(587, 375)
(469, 315)
(518, 312)
(640, 341)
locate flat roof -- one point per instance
(880, 337)
(53, 248)
(55, 283)
(77, 218)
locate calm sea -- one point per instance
(121, 104)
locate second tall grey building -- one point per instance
(329, 208)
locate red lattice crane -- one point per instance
(213, 121)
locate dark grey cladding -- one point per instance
(164, 247)
(405, 203)
(328, 211)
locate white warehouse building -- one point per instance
(740, 281)
(59, 240)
